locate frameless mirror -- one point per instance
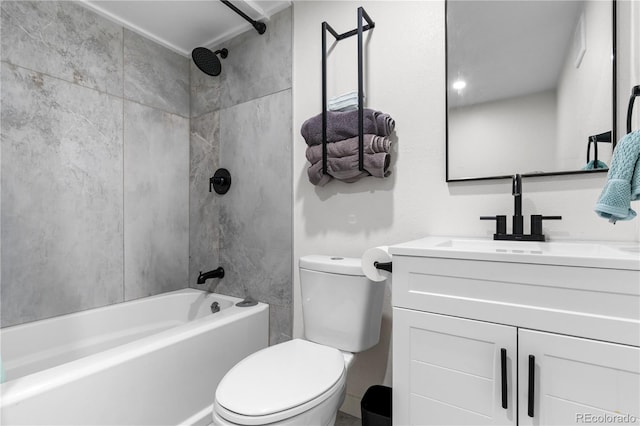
(530, 87)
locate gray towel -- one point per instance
(372, 144)
(385, 124)
(344, 125)
(346, 168)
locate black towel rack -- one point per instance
(635, 92)
(358, 31)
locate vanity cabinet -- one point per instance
(452, 371)
(447, 370)
(469, 331)
(577, 379)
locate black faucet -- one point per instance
(216, 273)
(518, 220)
(516, 191)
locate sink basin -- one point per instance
(557, 248)
(572, 253)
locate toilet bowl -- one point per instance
(303, 381)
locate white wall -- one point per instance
(628, 61)
(584, 93)
(503, 137)
(405, 69)
(635, 56)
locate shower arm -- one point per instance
(259, 26)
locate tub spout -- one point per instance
(216, 273)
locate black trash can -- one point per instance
(376, 406)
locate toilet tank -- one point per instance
(340, 306)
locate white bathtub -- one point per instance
(152, 361)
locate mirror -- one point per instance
(530, 88)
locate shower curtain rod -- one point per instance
(259, 26)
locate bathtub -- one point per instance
(151, 361)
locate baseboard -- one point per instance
(202, 418)
(351, 405)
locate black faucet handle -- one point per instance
(501, 223)
(536, 222)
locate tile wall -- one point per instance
(241, 120)
(108, 143)
(95, 163)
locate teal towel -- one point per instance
(591, 165)
(635, 181)
(623, 181)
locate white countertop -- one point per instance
(591, 254)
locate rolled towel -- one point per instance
(343, 106)
(385, 124)
(376, 164)
(615, 199)
(316, 177)
(371, 143)
(345, 97)
(346, 168)
(344, 102)
(344, 125)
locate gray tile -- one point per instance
(344, 419)
(256, 214)
(203, 205)
(64, 40)
(205, 91)
(154, 75)
(156, 197)
(61, 197)
(258, 65)
(280, 324)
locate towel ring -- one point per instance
(635, 92)
(602, 137)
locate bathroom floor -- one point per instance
(344, 419)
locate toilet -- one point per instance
(303, 381)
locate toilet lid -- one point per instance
(280, 377)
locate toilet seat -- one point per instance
(280, 382)
(282, 416)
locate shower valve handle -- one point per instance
(220, 182)
(216, 181)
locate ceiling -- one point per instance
(505, 49)
(182, 25)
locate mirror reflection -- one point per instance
(529, 87)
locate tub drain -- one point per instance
(246, 303)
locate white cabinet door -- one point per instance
(577, 381)
(449, 371)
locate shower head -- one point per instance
(208, 61)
